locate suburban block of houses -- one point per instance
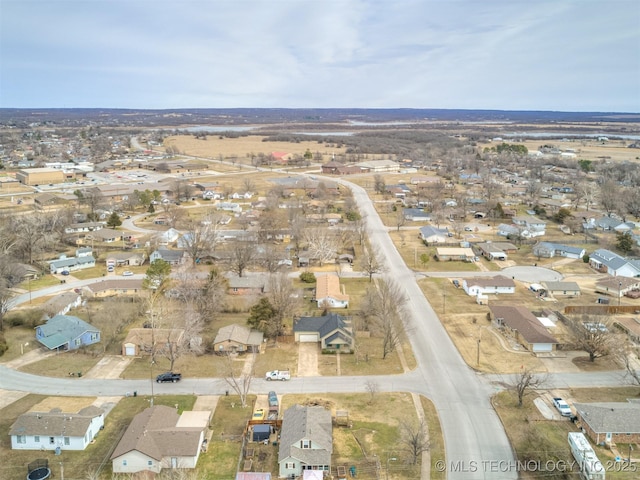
(306, 440)
(55, 429)
(66, 332)
(160, 437)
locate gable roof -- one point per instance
(497, 281)
(240, 334)
(611, 417)
(54, 422)
(558, 247)
(306, 423)
(569, 286)
(323, 325)
(522, 320)
(328, 285)
(62, 329)
(59, 302)
(430, 231)
(154, 433)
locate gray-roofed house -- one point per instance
(550, 250)
(66, 332)
(416, 215)
(533, 225)
(609, 262)
(562, 289)
(247, 285)
(332, 331)
(524, 327)
(610, 422)
(62, 303)
(306, 440)
(173, 257)
(160, 438)
(431, 234)
(56, 429)
(83, 259)
(237, 338)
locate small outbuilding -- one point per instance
(261, 433)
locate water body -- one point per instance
(570, 135)
(217, 128)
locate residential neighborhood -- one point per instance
(285, 315)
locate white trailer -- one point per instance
(590, 466)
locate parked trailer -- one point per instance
(590, 466)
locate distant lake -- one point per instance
(333, 134)
(216, 128)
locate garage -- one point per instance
(308, 338)
(129, 349)
(541, 347)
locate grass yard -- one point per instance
(436, 439)
(535, 438)
(76, 464)
(277, 356)
(63, 363)
(367, 361)
(375, 431)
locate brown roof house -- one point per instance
(247, 285)
(610, 422)
(524, 326)
(62, 303)
(140, 341)
(56, 429)
(160, 438)
(237, 338)
(630, 326)
(116, 287)
(328, 292)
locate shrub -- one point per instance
(3, 345)
(308, 277)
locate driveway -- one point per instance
(308, 360)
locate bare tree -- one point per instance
(241, 257)
(283, 298)
(524, 382)
(592, 335)
(385, 305)
(379, 184)
(5, 301)
(360, 229)
(239, 382)
(610, 196)
(323, 244)
(29, 236)
(201, 238)
(400, 218)
(372, 389)
(370, 261)
(587, 191)
(415, 439)
(627, 354)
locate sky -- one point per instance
(561, 55)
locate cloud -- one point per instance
(560, 54)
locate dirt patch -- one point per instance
(66, 404)
(602, 364)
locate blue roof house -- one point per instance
(66, 332)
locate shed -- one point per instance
(261, 433)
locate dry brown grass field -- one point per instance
(243, 147)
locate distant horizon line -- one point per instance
(608, 112)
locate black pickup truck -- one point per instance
(168, 377)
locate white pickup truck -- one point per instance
(562, 406)
(278, 375)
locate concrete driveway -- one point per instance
(308, 360)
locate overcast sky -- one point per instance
(580, 55)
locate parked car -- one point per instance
(278, 375)
(64, 272)
(258, 414)
(127, 273)
(456, 283)
(169, 377)
(468, 229)
(562, 406)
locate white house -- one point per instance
(431, 234)
(550, 250)
(160, 438)
(328, 292)
(533, 225)
(609, 262)
(488, 285)
(56, 429)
